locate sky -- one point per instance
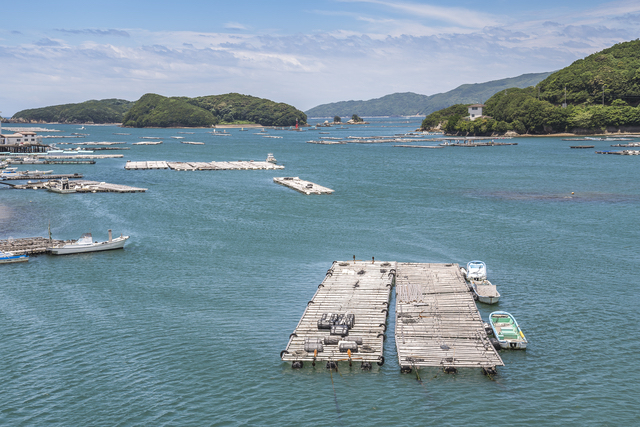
(304, 53)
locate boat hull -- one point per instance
(507, 332)
(117, 243)
(14, 259)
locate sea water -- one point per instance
(185, 325)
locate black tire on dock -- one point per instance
(298, 364)
(332, 365)
(405, 369)
(495, 343)
(380, 361)
(450, 370)
(365, 366)
(283, 352)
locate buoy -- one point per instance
(365, 366)
(572, 192)
(405, 369)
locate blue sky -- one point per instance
(304, 53)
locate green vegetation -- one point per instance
(539, 110)
(409, 103)
(158, 111)
(103, 111)
(356, 118)
(337, 119)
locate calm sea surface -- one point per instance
(185, 326)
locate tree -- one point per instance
(337, 119)
(356, 118)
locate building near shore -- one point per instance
(20, 138)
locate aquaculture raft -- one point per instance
(359, 288)
(437, 321)
(199, 166)
(302, 186)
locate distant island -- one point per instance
(413, 104)
(93, 111)
(153, 110)
(597, 94)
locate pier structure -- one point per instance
(83, 186)
(302, 186)
(345, 321)
(31, 245)
(437, 321)
(199, 166)
(621, 152)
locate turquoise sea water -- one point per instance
(185, 326)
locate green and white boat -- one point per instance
(506, 330)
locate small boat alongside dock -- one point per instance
(10, 258)
(506, 331)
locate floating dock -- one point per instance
(199, 166)
(48, 176)
(302, 186)
(359, 288)
(85, 187)
(437, 321)
(419, 146)
(621, 152)
(30, 245)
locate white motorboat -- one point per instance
(271, 159)
(10, 257)
(62, 186)
(86, 244)
(476, 270)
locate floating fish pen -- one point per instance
(200, 166)
(302, 186)
(325, 142)
(192, 143)
(38, 161)
(631, 144)
(346, 319)
(82, 186)
(437, 321)
(147, 143)
(621, 152)
(30, 245)
(81, 156)
(582, 146)
(419, 146)
(24, 175)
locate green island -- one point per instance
(153, 110)
(93, 111)
(597, 94)
(233, 108)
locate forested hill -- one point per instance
(159, 111)
(94, 111)
(409, 103)
(602, 94)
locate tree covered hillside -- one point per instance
(613, 72)
(159, 111)
(103, 111)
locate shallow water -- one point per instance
(185, 326)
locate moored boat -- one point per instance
(10, 257)
(476, 270)
(86, 244)
(270, 158)
(484, 291)
(506, 331)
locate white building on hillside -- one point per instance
(475, 111)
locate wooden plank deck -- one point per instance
(302, 186)
(362, 288)
(199, 166)
(437, 321)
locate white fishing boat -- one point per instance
(506, 331)
(271, 159)
(86, 244)
(10, 257)
(476, 270)
(62, 186)
(484, 291)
